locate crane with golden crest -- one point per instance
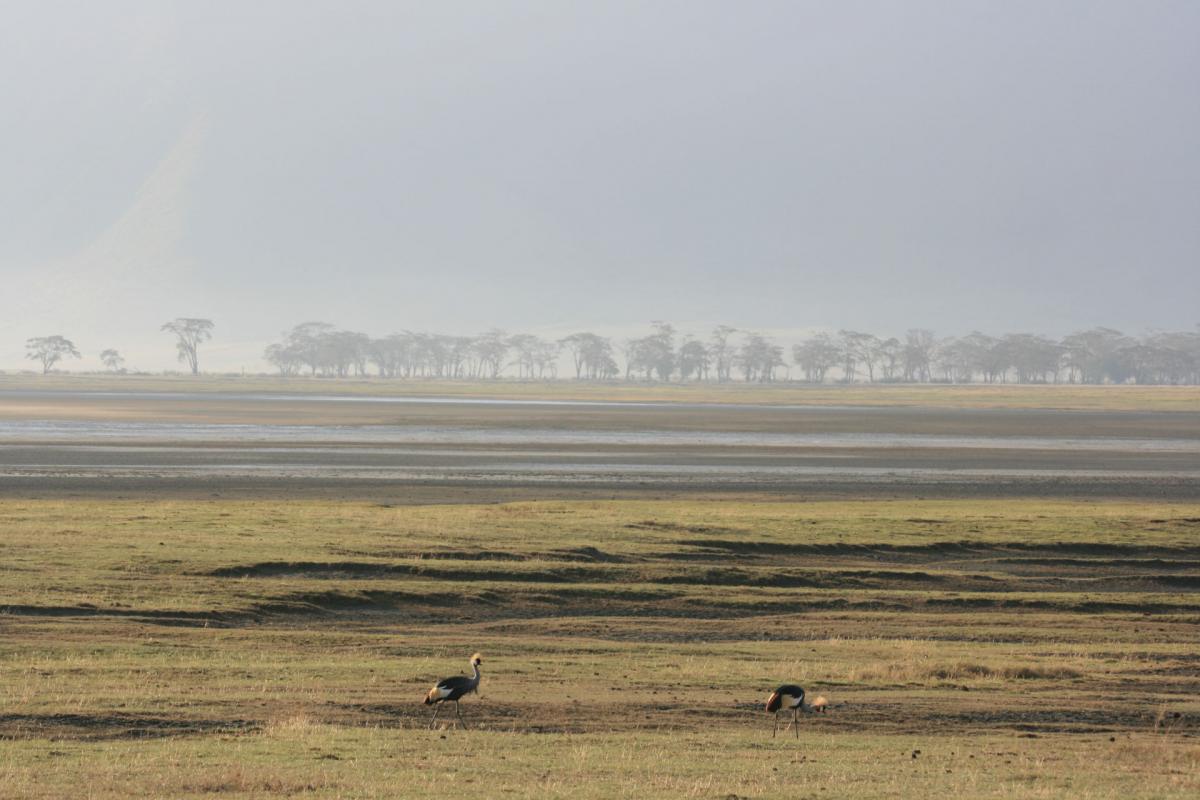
(791, 697)
(451, 690)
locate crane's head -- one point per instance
(476, 660)
(818, 706)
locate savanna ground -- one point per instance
(1057, 396)
(279, 645)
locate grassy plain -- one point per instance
(1055, 396)
(280, 648)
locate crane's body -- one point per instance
(454, 689)
(791, 697)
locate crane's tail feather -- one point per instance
(434, 695)
(774, 701)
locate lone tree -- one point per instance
(112, 359)
(189, 333)
(49, 350)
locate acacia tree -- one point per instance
(49, 350)
(545, 357)
(858, 348)
(1033, 357)
(955, 358)
(983, 354)
(1097, 355)
(534, 354)
(189, 332)
(721, 352)
(652, 354)
(346, 351)
(590, 352)
(112, 359)
(919, 346)
(758, 358)
(304, 345)
(815, 356)
(489, 350)
(284, 357)
(1170, 358)
(890, 353)
(693, 359)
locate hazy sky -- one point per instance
(550, 166)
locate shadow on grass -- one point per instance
(113, 726)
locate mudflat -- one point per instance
(421, 448)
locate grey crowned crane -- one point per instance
(791, 696)
(453, 689)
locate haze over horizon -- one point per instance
(548, 167)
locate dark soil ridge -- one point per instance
(587, 601)
(961, 547)
(479, 608)
(114, 726)
(670, 712)
(851, 577)
(721, 576)
(585, 555)
(604, 601)
(89, 610)
(1123, 563)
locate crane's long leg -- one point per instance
(436, 710)
(775, 730)
(458, 711)
(796, 722)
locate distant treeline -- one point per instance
(1100, 355)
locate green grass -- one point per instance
(198, 556)
(299, 758)
(281, 648)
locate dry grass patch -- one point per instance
(1139, 398)
(628, 686)
(903, 672)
